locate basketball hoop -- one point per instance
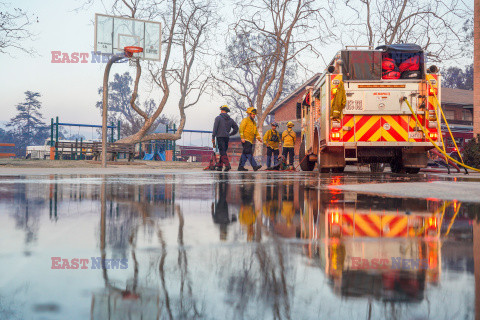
(132, 52)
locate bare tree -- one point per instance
(289, 28)
(430, 24)
(238, 81)
(15, 24)
(119, 101)
(187, 23)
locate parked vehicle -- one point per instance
(43, 152)
(356, 112)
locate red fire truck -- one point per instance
(356, 112)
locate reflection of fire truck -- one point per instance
(358, 237)
(355, 113)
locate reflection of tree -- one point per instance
(27, 214)
(131, 206)
(185, 307)
(135, 210)
(274, 278)
(262, 279)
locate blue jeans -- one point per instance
(247, 154)
(272, 153)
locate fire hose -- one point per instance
(433, 142)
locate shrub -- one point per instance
(471, 154)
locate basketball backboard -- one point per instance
(113, 34)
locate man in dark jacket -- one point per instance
(223, 128)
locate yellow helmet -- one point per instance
(290, 124)
(252, 110)
(225, 108)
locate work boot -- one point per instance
(218, 168)
(256, 167)
(242, 169)
(227, 168)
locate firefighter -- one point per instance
(247, 215)
(248, 134)
(272, 140)
(220, 212)
(288, 143)
(223, 128)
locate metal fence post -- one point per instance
(174, 158)
(56, 139)
(118, 130)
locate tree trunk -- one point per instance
(259, 146)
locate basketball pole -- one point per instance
(112, 60)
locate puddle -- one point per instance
(224, 246)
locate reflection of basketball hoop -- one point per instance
(133, 53)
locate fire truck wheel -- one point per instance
(306, 164)
(396, 166)
(377, 167)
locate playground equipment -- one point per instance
(81, 148)
(188, 149)
(123, 38)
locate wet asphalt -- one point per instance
(264, 245)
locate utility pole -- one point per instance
(476, 68)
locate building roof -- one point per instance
(457, 96)
(309, 82)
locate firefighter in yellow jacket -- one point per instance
(272, 140)
(288, 143)
(248, 134)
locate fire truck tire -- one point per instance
(377, 167)
(396, 166)
(306, 164)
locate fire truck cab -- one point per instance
(356, 112)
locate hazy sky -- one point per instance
(70, 90)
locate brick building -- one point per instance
(286, 110)
(283, 112)
(457, 104)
